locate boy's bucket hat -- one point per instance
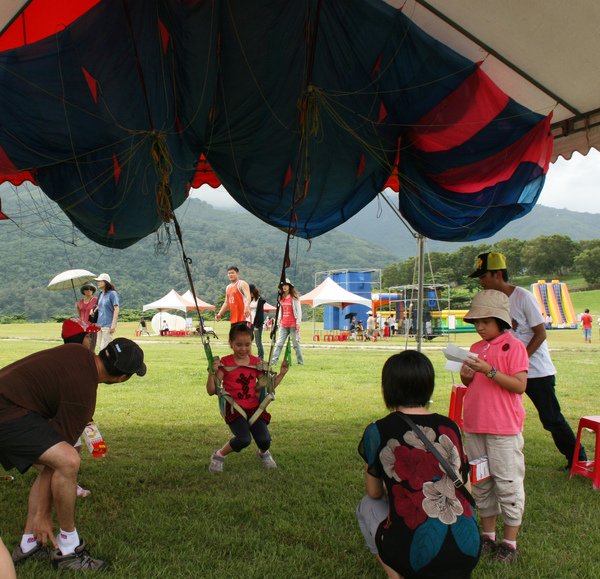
(489, 304)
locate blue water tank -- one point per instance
(357, 282)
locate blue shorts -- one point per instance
(24, 440)
(587, 333)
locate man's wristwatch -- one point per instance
(492, 373)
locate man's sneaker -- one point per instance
(216, 463)
(488, 547)
(505, 554)
(82, 493)
(39, 552)
(267, 459)
(80, 560)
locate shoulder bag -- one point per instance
(456, 480)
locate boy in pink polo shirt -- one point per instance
(493, 420)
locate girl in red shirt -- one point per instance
(238, 373)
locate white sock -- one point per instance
(67, 541)
(491, 536)
(219, 453)
(28, 542)
(511, 544)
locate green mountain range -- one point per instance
(378, 223)
(39, 242)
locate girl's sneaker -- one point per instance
(216, 463)
(267, 459)
(505, 554)
(488, 547)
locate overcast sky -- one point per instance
(572, 184)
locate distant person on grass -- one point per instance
(143, 328)
(46, 400)
(371, 326)
(257, 317)
(586, 323)
(108, 310)
(413, 518)
(237, 298)
(290, 316)
(493, 418)
(528, 326)
(239, 372)
(84, 308)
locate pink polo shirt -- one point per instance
(489, 408)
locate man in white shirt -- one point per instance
(528, 326)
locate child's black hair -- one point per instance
(76, 339)
(502, 325)
(407, 379)
(240, 328)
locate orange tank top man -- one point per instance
(237, 298)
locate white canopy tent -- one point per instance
(170, 301)
(329, 293)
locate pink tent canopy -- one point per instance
(202, 305)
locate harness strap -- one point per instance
(261, 407)
(226, 398)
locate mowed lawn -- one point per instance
(155, 510)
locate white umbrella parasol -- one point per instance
(70, 279)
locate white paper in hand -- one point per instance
(455, 357)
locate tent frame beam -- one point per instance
(497, 55)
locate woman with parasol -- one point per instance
(84, 308)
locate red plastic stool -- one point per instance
(587, 468)
(455, 412)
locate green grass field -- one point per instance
(155, 510)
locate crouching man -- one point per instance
(46, 400)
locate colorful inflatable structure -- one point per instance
(555, 304)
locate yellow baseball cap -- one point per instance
(489, 261)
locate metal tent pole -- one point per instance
(421, 277)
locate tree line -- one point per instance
(546, 256)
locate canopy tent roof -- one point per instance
(116, 109)
(170, 301)
(202, 305)
(329, 293)
(544, 53)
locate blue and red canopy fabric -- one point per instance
(303, 110)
